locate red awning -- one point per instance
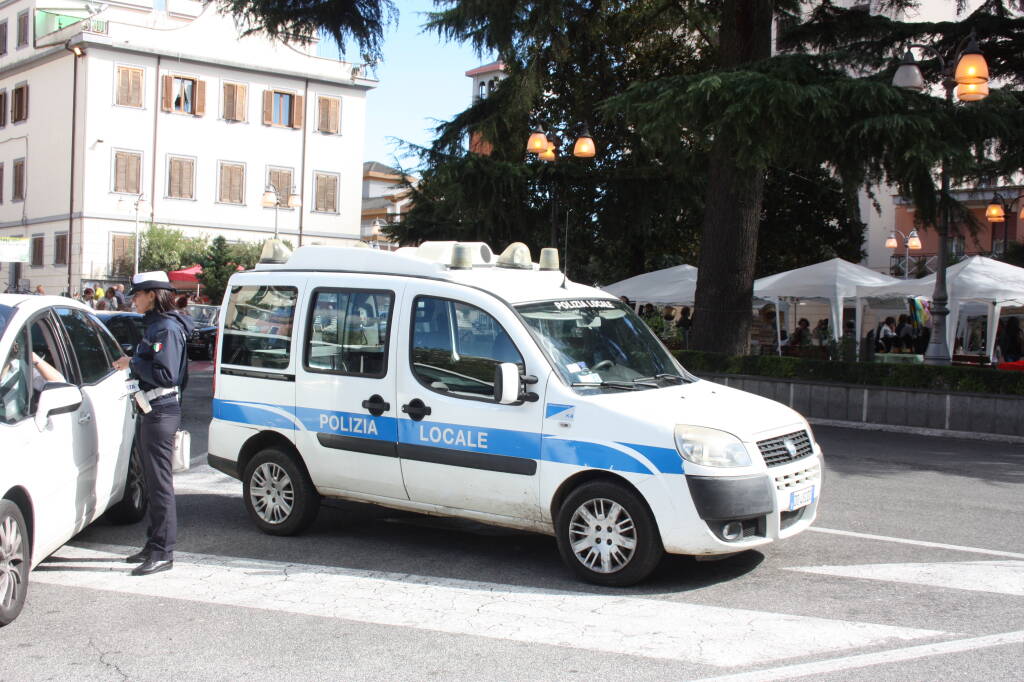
(186, 274)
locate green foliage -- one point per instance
(957, 379)
(218, 266)
(363, 21)
(167, 249)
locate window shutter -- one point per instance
(120, 172)
(174, 178)
(240, 103)
(123, 86)
(1, 183)
(229, 102)
(3, 109)
(332, 193)
(298, 111)
(3, 38)
(200, 104)
(134, 168)
(135, 87)
(222, 194)
(236, 180)
(186, 179)
(335, 115)
(167, 98)
(268, 107)
(325, 115)
(320, 193)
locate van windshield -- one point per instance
(599, 345)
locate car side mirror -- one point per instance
(506, 383)
(56, 398)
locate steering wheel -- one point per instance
(604, 364)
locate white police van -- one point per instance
(444, 380)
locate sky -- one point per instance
(421, 81)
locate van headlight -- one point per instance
(710, 447)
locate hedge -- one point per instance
(927, 377)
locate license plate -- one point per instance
(801, 498)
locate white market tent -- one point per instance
(833, 280)
(974, 280)
(670, 286)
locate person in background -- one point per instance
(99, 292)
(40, 291)
(905, 333)
(887, 334)
(802, 334)
(1012, 340)
(89, 297)
(161, 365)
(110, 295)
(100, 304)
(122, 303)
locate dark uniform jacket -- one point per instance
(161, 358)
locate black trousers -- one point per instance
(156, 448)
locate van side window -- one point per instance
(456, 346)
(348, 332)
(258, 326)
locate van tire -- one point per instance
(581, 520)
(278, 494)
(133, 505)
(15, 561)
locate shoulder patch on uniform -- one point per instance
(157, 347)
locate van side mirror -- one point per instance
(509, 385)
(56, 398)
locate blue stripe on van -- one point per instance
(522, 444)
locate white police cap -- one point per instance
(150, 280)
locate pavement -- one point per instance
(913, 571)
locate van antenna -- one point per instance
(565, 270)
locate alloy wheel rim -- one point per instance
(12, 562)
(272, 493)
(602, 535)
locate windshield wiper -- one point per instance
(623, 385)
(663, 376)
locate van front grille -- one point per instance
(785, 449)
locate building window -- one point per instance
(3, 108)
(183, 95)
(18, 188)
(127, 172)
(234, 102)
(232, 183)
(122, 254)
(23, 29)
(19, 103)
(37, 250)
(60, 248)
(181, 173)
(1, 183)
(129, 86)
(281, 180)
(3, 37)
(326, 200)
(329, 114)
(282, 109)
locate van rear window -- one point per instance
(258, 327)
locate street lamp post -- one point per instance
(910, 242)
(547, 150)
(967, 74)
(997, 211)
(135, 203)
(272, 197)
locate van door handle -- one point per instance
(85, 418)
(416, 409)
(376, 405)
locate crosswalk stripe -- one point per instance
(652, 628)
(918, 543)
(821, 668)
(1001, 577)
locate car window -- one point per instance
(92, 360)
(456, 346)
(16, 380)
(348, 332)
(123, 330)
(111, 345)
(258, 326)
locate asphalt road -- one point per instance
(914, 571)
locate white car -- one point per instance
(67, 453)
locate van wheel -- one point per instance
(606, 534)
(278, 494)
(133, 505)
(15, 559)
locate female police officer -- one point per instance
(160, 364)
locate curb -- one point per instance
(918, 430)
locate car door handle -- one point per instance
(85, 418)
(416, 409)
(376, 405)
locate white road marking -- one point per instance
(1001, 577)
(880, 658)
(919, 543)
(621, 625)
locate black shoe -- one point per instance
(138, 558)
(153, 566)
